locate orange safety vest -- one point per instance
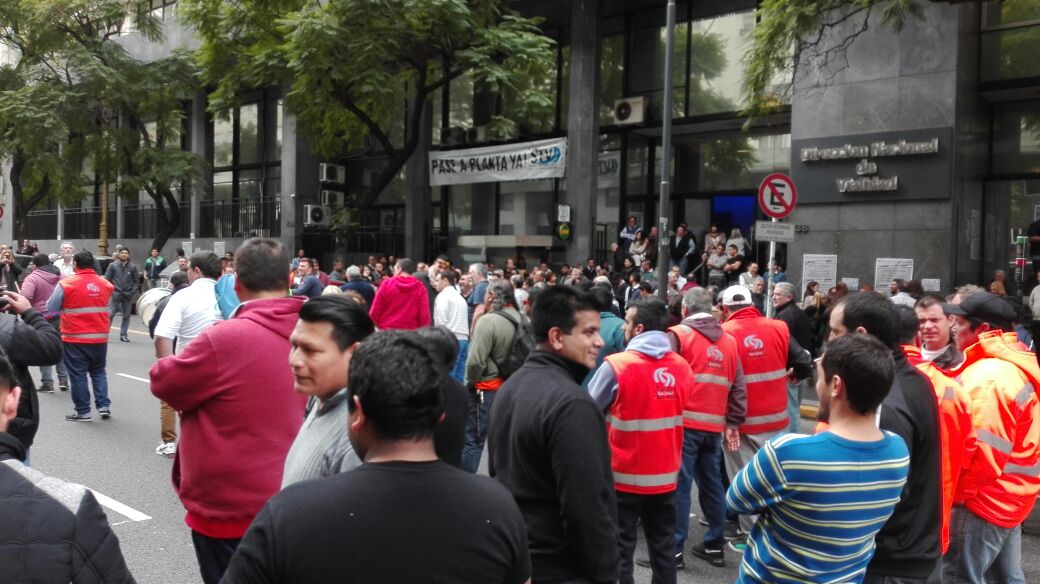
(645, 423)
(956, 431)
(84, 307)
(714, 368)
(762, 345)
(1002, 480)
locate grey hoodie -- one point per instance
(603, 389)
(707, 325)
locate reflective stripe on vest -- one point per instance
(994, 441)
(702, 417)
(644, 425)
(714, 379)
(85, 310)
(767, 376)
(766, 419)
(657, 480)
(1029, 471)
(1024, 395)
(949, 393)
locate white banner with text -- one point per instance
(523, 161)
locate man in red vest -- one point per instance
(82, 300)
(768, 355)
(643, 390)
(716, 405)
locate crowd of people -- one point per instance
(382, 389)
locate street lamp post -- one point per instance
(105, 119)
(666, 154)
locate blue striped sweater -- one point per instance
(821, 501)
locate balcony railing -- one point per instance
(85, 223)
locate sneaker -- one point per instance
(63, 383)
(733, 531)
(680, 562)
(46, 387)
(167, 449)
(715, 557)
(74, 417)
(124, 338)
(105, 413)
(738, 545)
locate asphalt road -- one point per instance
(116, 459)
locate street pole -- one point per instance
(102, 243)
(666, 154)
(772, 273)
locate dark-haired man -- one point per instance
(401, 302)
(52, 531)
(547, 443)
(83, 300)
(937, 345)
(124, 277)
(239, 413)
(818, 517)
(611, 328)
(643, 390)
(454, 525)
(1000, 485)
(329, 330)
(909, 543)
(309, 285)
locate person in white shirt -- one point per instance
(450, 310)
(186, 315)
(65, 264)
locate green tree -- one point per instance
(71, 97)
(348, 68)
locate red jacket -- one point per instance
(239, 415)
(401, 302)
(762, 344)
(84, 307)
(714, 366)
(644, 424)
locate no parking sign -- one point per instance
(777, 195)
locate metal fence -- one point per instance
(42, 224)
(240, 218)
(142, 221)
(85, 223)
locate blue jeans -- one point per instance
(977, 545)
(120, 303)
(82, 359)
(794, 407)
(476, 429)
(47, 371)
(701, 456)
(459, 372)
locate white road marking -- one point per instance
(134, 377)
(124, 510)
(131, 331)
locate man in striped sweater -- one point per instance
(822, 499)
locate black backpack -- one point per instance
(519, 349)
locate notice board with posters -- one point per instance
(888, 269)
(821, 268)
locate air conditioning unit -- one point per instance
(317, 216)
(630, 110)
(332, 173)
(331, 198)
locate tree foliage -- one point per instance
(73, 100)
(349, 67)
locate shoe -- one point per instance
(738, 545)
(74, 417)
(46, 387)
(105, 413)
(733, 531)
(63, 383)
(166, 449)
(124, 338)
(680, 562)
(715, 557)
(703, 522)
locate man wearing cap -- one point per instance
(999, 487)
(768, 356)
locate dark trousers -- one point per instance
(81, 360)
(120, 303)
(476, 428)
(658, 515)
(213, 555)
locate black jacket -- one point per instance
(52, 531)
(547, 444)
(908, 544)
(797, 323)
(29, 340)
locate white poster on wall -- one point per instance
(852, 283)
(821, 268)
(931, 284)
(524, 161)
(219, 248)
(888, 269)
(186, 246)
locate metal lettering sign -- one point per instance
(769, 231)
(777, 195)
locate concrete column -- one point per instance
(582, 130)
(198, 132)
(418, 211)
(288, 196)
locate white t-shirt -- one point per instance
(931, 355)
(189, 312)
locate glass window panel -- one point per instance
(611, 75)
(276, 143)
(1010, 12)
(646, 66)
(249, 184)
(223, 137)
(1010, 205)
(1010, 54)
(608, 184)
(1016, 138)
(471, 209)
(716, 69)
(525, 207)
(223, 186)
(737, 163)
(249, 136)
(637, 164)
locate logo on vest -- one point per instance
(754, 346)
(665, 382)
(93, 289)
(714, 354)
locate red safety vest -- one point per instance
(645, 423)
(955, 428)
(714, 368)
(762, 345)
(1002, 480)
(84, 307)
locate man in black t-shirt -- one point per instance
(733, 266)
(403, 516)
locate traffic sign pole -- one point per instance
(772, 272)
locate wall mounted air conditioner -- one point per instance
(331, 198)
(317, 216)
(630, 110)
(332, 173)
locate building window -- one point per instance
(1016, 138)
(717, 46)
(164, 9)
(1010, 40)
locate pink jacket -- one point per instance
(401, 302)
(38, 287)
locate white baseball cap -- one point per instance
(736, 295)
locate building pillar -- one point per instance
(290, 146)
(418, 210)
(198, 133)
(582, 130)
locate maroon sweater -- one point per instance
(239, 415)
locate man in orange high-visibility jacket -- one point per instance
(956, 432)
(1002, 480)
(642, 390)
(767, 352)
